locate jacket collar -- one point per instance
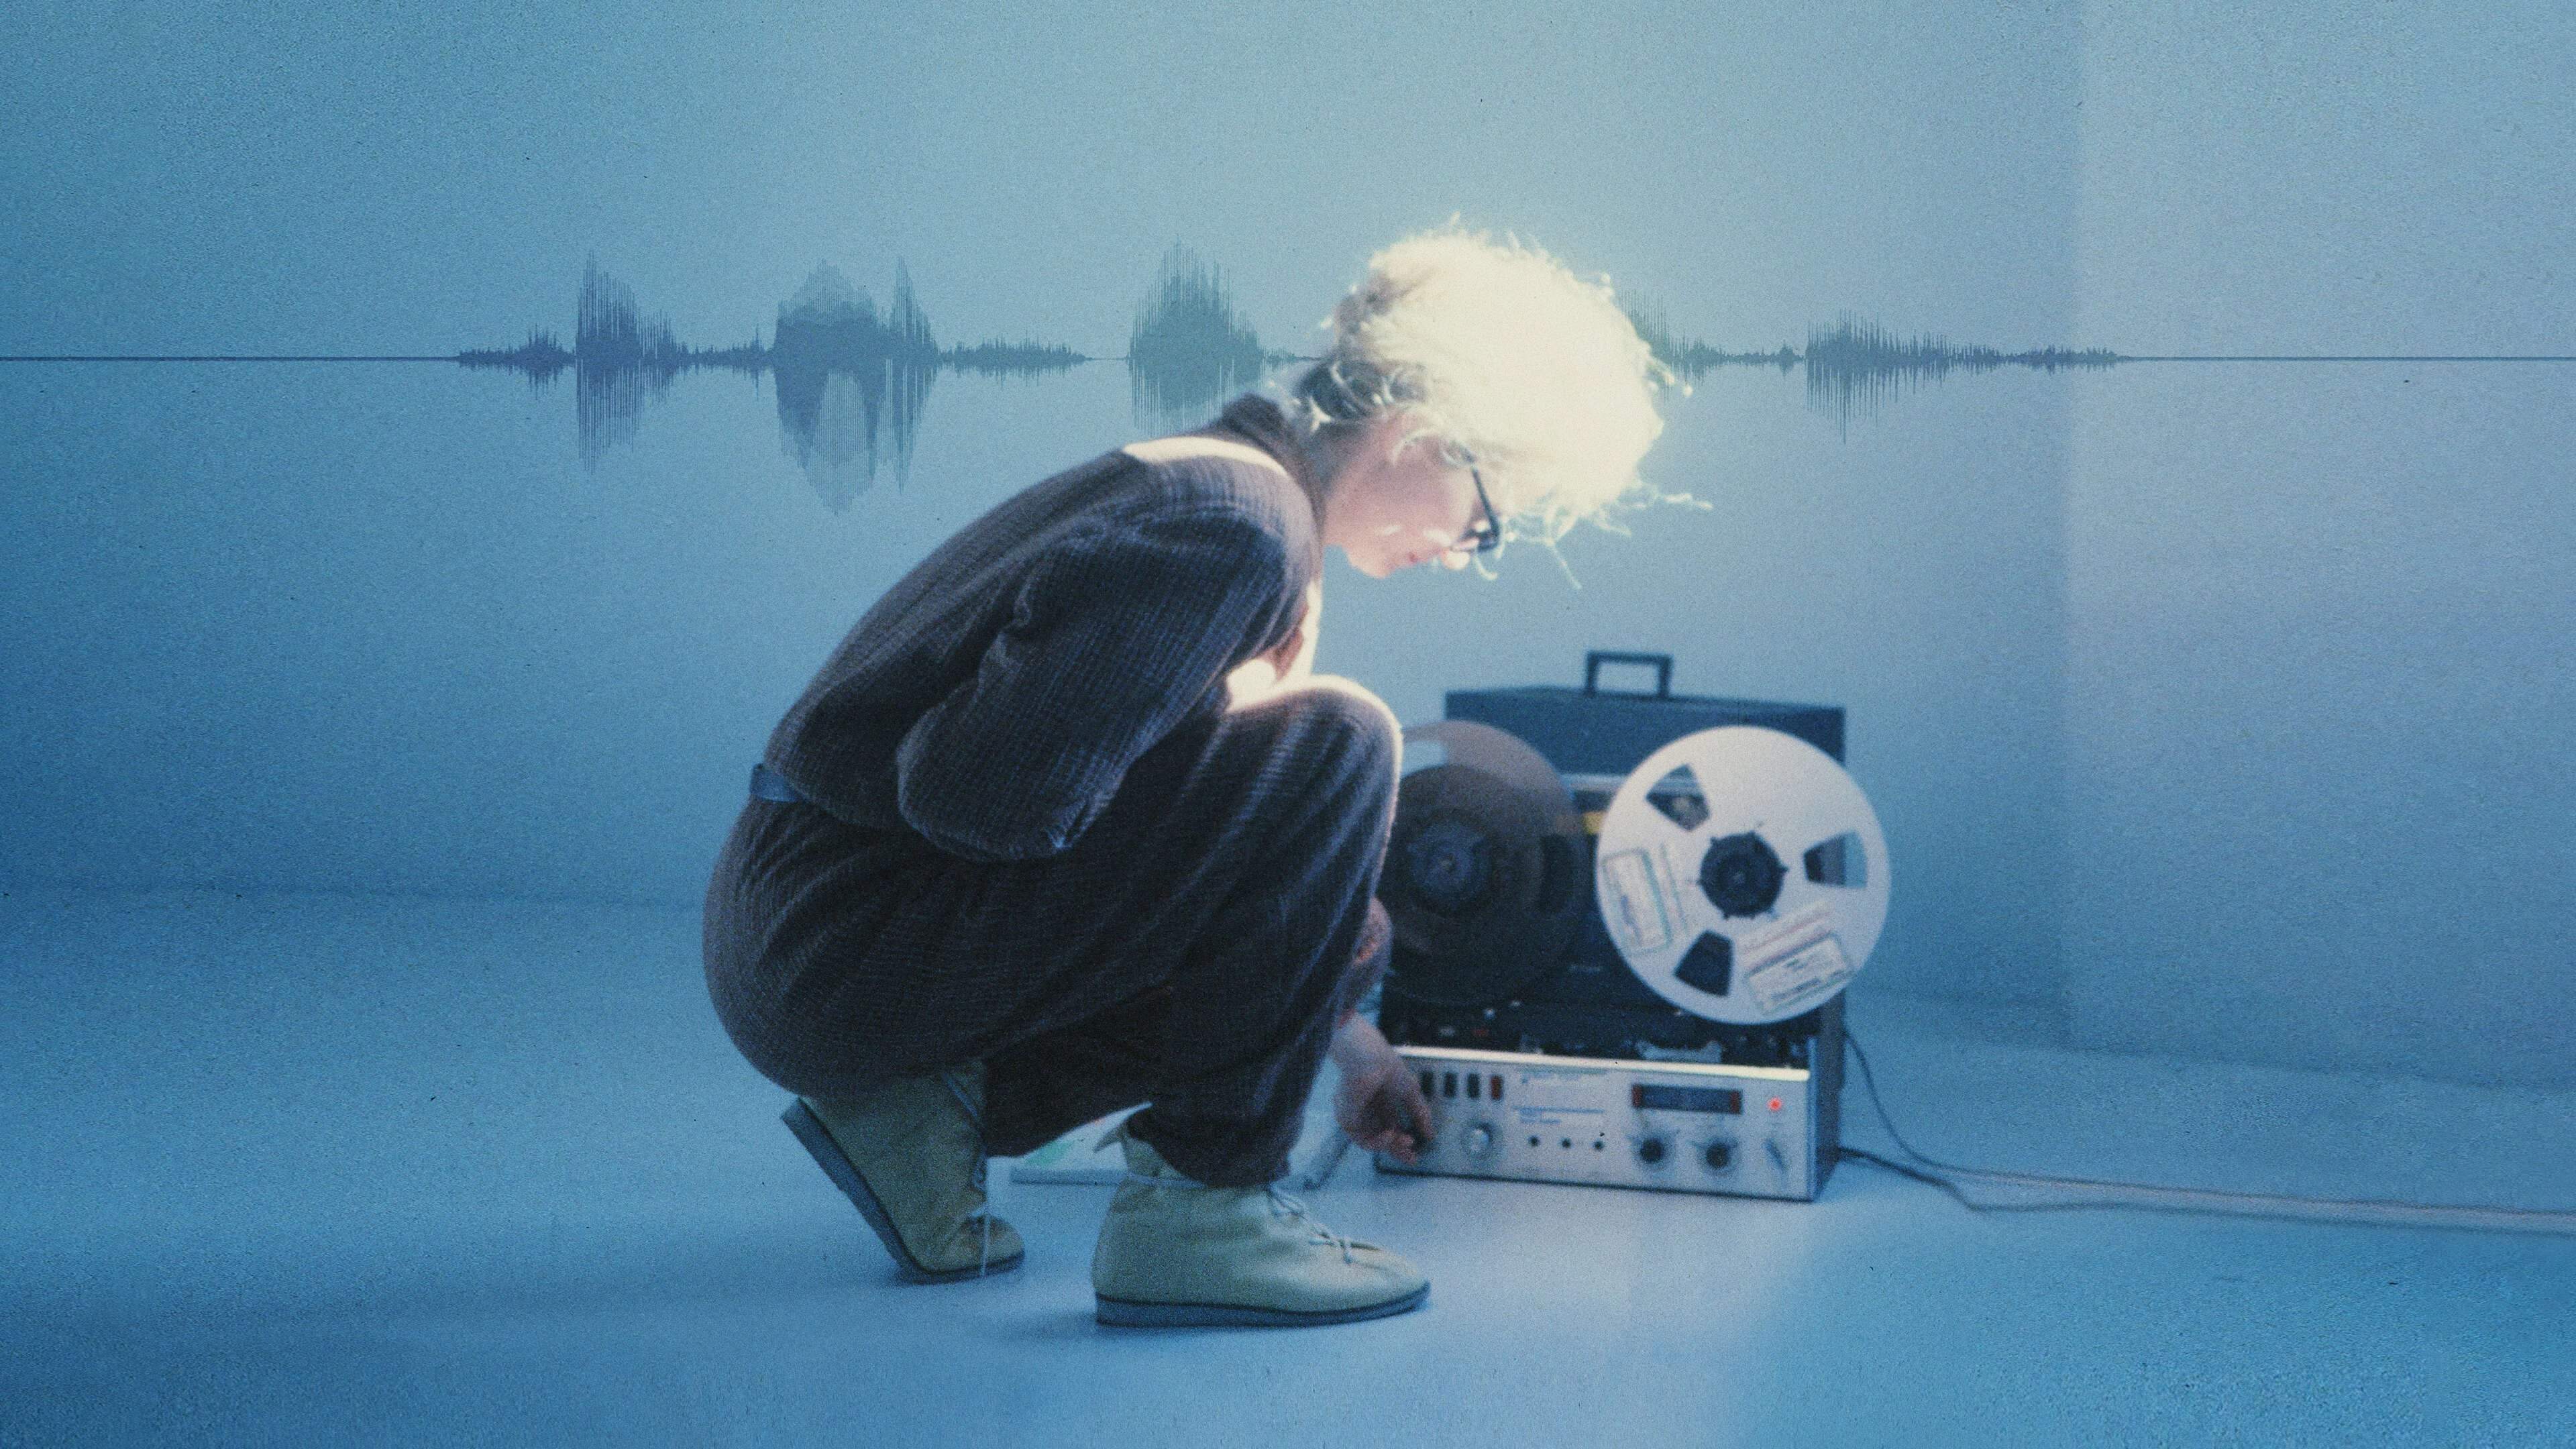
(1257, 420)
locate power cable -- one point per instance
(2095, 1193)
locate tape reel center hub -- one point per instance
(1450, 864)
(1741, 875)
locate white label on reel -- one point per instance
(1793, 957)
(1811, 971)
(1670, 878)
(1792, 932)
(1641, 921)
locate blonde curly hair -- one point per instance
(1498, 351)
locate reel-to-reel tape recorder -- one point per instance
(1623, 923)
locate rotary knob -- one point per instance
(1720, 1156)
(1479, 1140)
(1651, 1151)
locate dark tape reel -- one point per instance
(1484, 883)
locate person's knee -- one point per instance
(1358, 723)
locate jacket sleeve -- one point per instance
(1113, 638)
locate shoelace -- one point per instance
(982, 1217)
(1282, 1205)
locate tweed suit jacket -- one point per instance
(991, 702)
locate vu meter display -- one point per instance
(1645, 1096)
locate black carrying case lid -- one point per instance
(1596, 731)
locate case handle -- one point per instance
(1593, 659)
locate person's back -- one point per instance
(1215, 541)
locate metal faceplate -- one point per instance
(1619, 1123)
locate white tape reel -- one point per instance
(1751, 886)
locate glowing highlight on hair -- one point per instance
(1497, 348)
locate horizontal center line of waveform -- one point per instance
(1758, 360)
(2213, 357)
(449, 357)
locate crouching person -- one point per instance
(1067, 824)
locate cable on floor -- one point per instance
(2086, 1192)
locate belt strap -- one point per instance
(768, 784)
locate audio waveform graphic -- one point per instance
(1189, 349)
(1854, 368)
(852, 384)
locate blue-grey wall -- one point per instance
(2319, 619)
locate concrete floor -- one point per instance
(326, 1170)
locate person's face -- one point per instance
(1387, 514)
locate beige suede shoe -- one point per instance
(910, 1155)
(1175, 1253)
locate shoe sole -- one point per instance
(1125, 1313)
(836, 1165)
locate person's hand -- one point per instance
(1378, 1102)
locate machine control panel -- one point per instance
(1675, 1126)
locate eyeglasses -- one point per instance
(1486, 533)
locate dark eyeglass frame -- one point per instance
(1485, 535)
